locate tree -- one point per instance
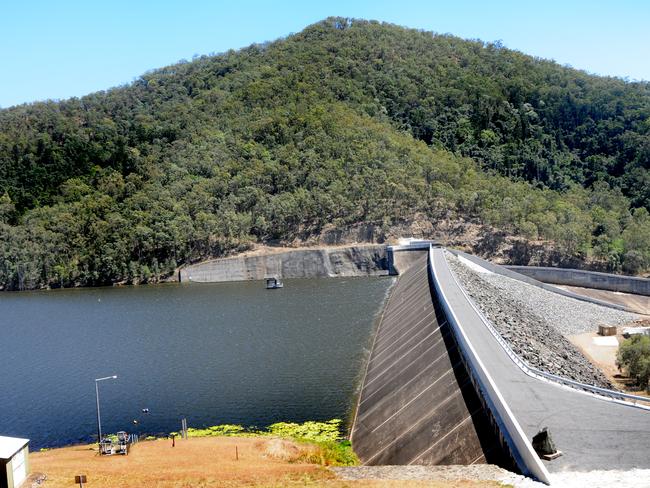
(634, 357)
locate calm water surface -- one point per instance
(214, 353)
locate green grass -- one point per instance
(332, 448)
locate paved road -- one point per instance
(593, 433)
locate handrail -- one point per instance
(539, 374)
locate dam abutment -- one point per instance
(357, 260)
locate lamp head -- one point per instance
(107, 378)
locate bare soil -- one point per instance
(205, 462)
(468, 235)
(604, 357)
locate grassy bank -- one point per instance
(322, 442)
(212, 461)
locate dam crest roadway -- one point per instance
(443, 387)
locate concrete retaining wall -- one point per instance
(586, 279)
(299, 263)
(506, 271)
(401, 260)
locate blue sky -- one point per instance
(58, 49)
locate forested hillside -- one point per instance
(347, 122)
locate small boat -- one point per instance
(273, 283)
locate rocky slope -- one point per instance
(535, 321)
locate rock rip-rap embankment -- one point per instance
(535, 321)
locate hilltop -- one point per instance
(348, 123)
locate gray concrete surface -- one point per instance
(401, 260)
(586, 279)
(300, 263)
(592, 432)
(637, 303)
(417, 404)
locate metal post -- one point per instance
(99, 421)
(184, 428)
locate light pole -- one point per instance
(99, 421)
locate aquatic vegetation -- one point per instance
(219, 430)
(308, 431)
(329, 447)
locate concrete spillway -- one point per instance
(418, 405)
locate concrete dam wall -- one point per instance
(300, 263)
(418, 404)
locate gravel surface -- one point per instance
(637, 478)
(535, 321)
(475, 472)
(568, 315)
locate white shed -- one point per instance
(14, 461)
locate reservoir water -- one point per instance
(213, 353)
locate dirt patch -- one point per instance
(193, 462)
(285, 450)
(604, 357)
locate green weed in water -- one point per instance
(332, 448)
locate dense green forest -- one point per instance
(346, 122)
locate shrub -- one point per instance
(634, 262)
(634, 357)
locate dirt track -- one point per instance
(638, 303)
